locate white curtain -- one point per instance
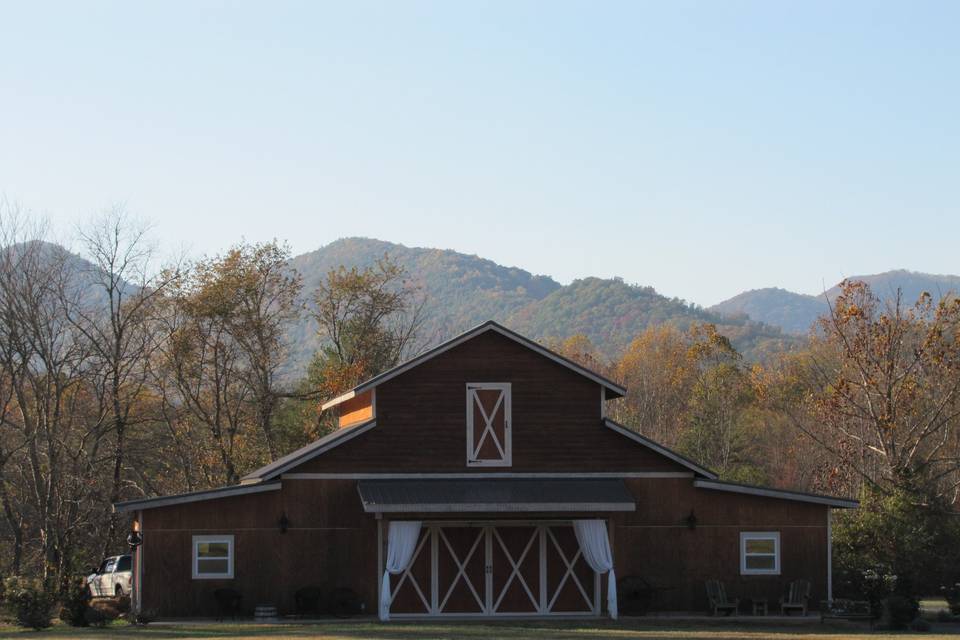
(595, 546)
(401, 543)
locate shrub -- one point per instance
(919, 625)
(899, 611)
(952, 595)
(31, 602)
(905, 531)
(944, 616)
(145, 617)
(75, 602)
(95, 617)
(876, 585)
(122, 604)
(104, 611)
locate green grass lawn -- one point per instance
(625, 629)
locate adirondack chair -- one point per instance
(796, 598)
(717, 596)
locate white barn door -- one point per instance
(489, 438)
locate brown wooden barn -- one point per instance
(485, 477)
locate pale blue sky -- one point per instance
(700, 147)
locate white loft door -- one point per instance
(488, 424)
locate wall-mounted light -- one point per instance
(691, 520)
(134, 539)
(284, 523)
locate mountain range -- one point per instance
(460, 291)
(796, 312)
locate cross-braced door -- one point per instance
(510, 569)
(489, 438)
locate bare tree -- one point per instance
(884, 391)
(369, 318)
(117, 315)
(50, 431)
(225, 345)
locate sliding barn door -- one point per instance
(488, 424)
(515, 569)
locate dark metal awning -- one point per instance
(489, 495)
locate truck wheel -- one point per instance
(118, 591)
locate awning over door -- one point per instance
(492, 495)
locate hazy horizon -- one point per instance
(701, 149)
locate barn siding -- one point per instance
(656, 543)
(332, 543)
(421, 419)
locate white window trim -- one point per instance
(759, 535)
(507, 460)
(196, 560)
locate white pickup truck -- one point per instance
(113, 579)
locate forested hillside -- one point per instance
(612, 313)
(460, 291)
(792, 312)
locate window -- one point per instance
(123, 564)
(488, 424)
(212, 557)
(760, 553)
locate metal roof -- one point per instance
(489, 495)
(783, 494)
(196, 496)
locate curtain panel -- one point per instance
(595, 546)
(401, 543)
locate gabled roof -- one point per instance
(327, 442)
(614, 390)
(659, 448)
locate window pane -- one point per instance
(124, 564)
(212, 549)
(765, 545)
(207, 565)
(760, 562)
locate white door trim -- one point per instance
(504, 448)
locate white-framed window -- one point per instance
(760, 553)
(489, 438)
(212, 557)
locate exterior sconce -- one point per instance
(134, 539)
(284, 523)
(691, 520)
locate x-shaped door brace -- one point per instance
(515, 569)
(409, 576)
(488, 424)
(567, 574)
(461, 569)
